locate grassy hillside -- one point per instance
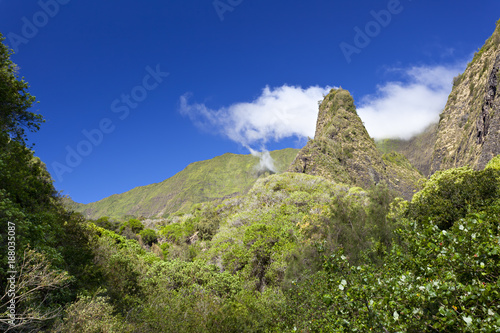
(221, 177)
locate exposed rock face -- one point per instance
(469, 128)
(343, 151)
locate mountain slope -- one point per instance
(343, 151)
(223, 176)
(469, 127)
(418, 149)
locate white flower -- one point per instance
(396, 315)
(468, 320)
(342, 284)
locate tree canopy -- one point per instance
(15, 100)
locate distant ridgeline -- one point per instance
(218, 178)
(468, 133)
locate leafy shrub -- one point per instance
(148, 236)
(431, 281)
(135, 225)
(123, 263)
(206, 222)
(175, 232)
(131, 229)
(107, 223)
(197, 297)
(91, 315)
(449, 195)
(164, 247)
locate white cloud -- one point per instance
(397, 109)
(278, 113)
(404, 109)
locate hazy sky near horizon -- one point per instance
(133, 92)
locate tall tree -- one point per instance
(15, 100)
(47, 247)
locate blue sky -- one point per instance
(241, 75)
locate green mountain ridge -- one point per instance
(221, 177)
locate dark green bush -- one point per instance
(148, 236)
(449, 195)
(134, 225)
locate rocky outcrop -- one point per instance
(343, 151)
(469, 127)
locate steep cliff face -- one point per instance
(343, 151)
(469, 127)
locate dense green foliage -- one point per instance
(148, 236)
(429, 280)
(300, 253)
(15, 99)
(134, 225)
(47, 246)
(296, 253)
(451, 194)
(494, 163)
